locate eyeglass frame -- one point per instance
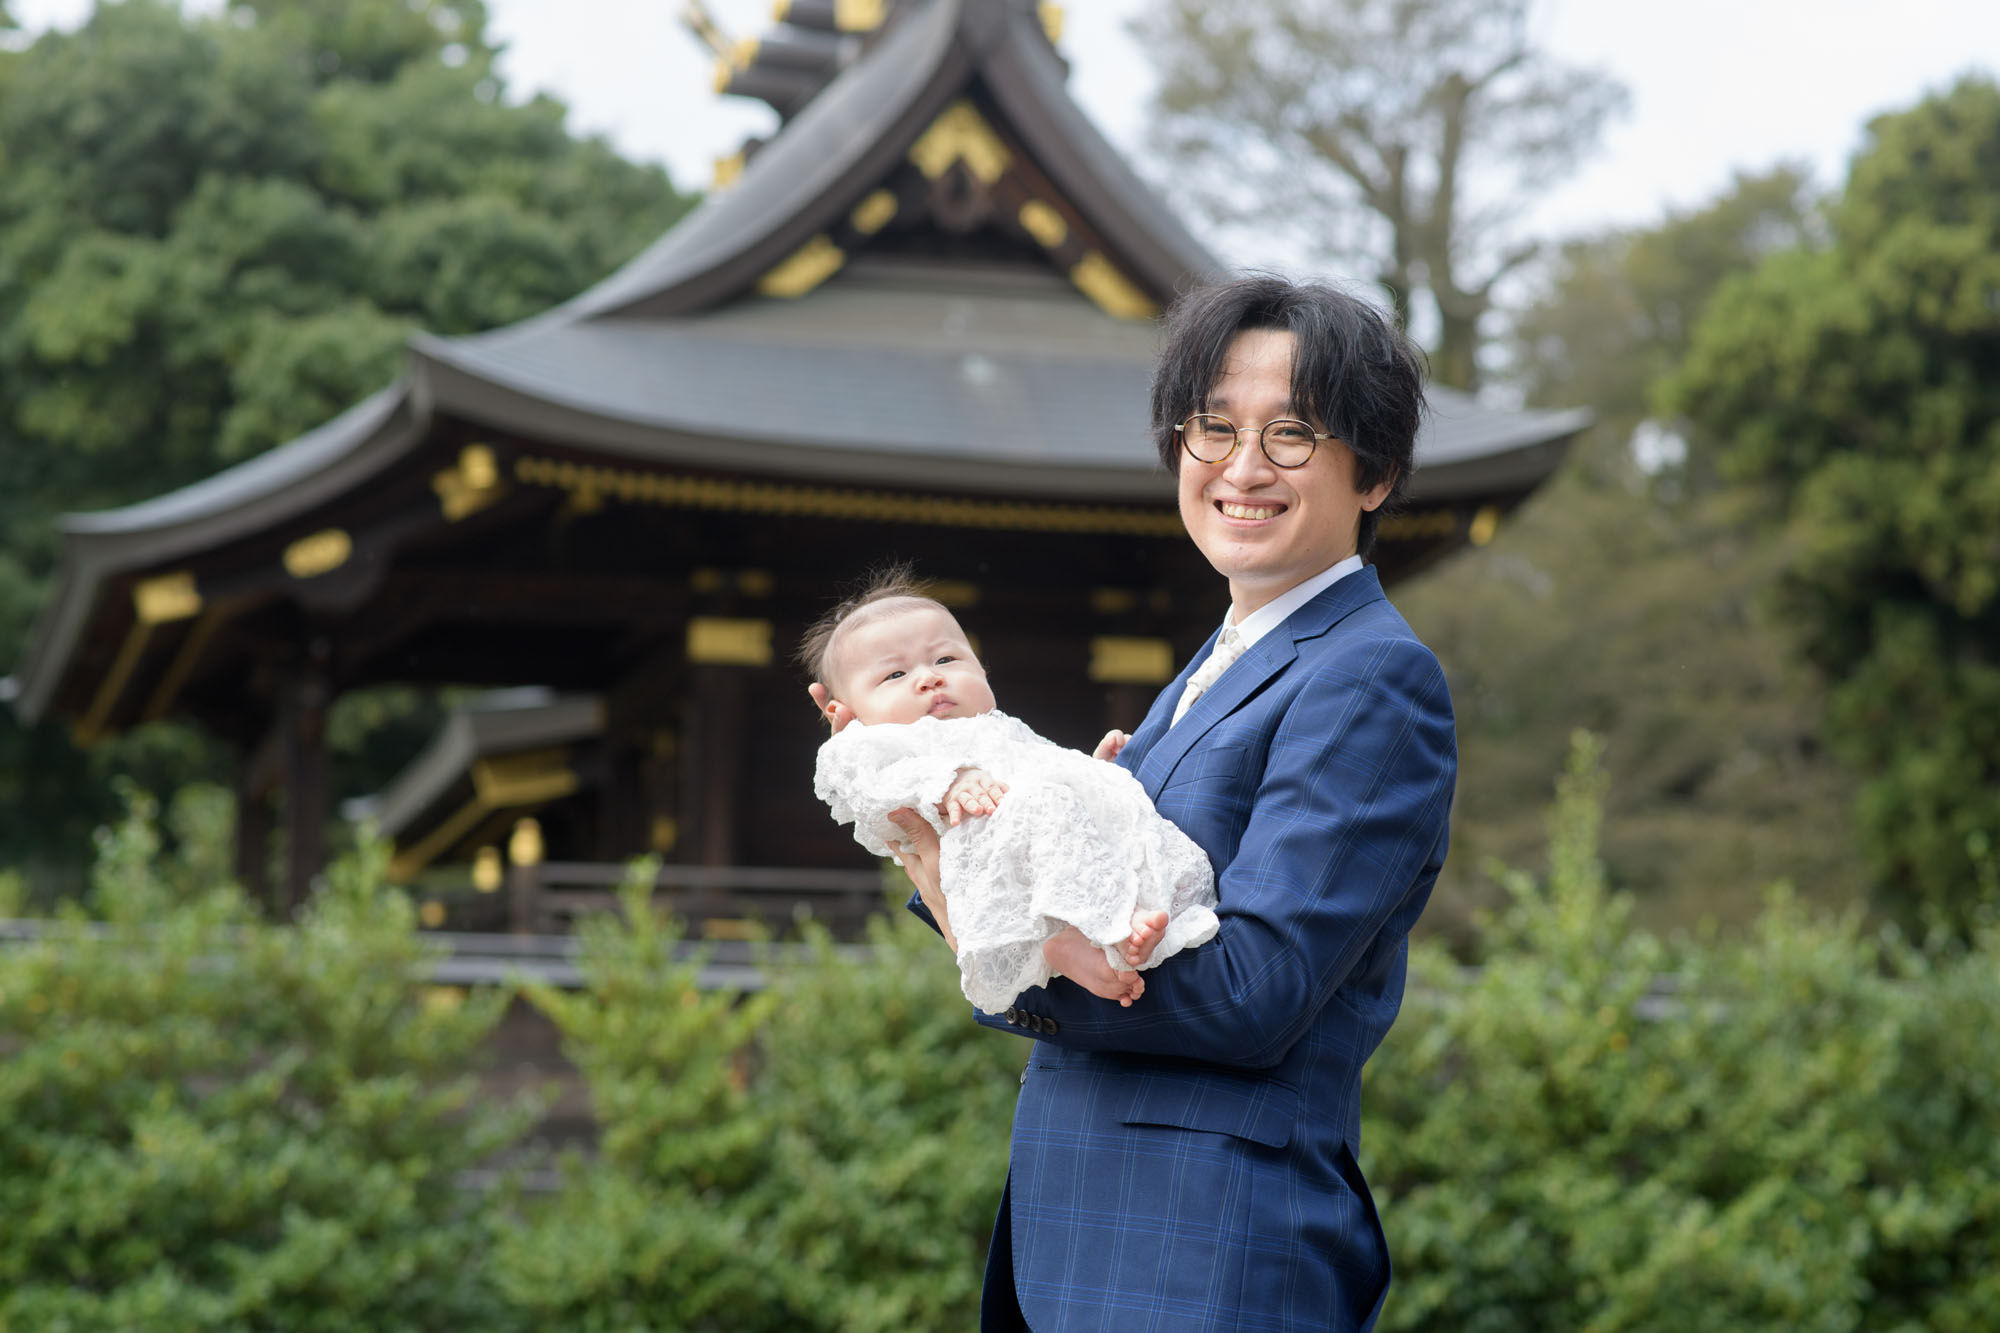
(1236, 439)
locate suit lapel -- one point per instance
(1161, 715)
(1166, 741)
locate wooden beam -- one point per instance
(303, 700)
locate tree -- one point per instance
(1633, 604)
(1614, 313)
(216, 233)
(1399, 133)
(1857, 386)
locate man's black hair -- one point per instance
(1354, 374)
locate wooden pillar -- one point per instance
(714, 764)
(253, 827)
(524, 877)
(302, 703)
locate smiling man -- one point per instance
(1190, 1162)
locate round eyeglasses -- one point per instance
(1287, 443)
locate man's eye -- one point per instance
(1292, 433)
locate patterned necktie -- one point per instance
(1227, 649)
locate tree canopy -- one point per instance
(1632, 603)
(216, 232)
(1857, 386)
(1398, 136)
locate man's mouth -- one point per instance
(1238, 509)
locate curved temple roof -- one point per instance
(923, 375)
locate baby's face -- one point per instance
(907, 664)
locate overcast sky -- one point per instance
(1716, 84)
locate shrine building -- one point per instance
(918, 324)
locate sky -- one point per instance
(1717, 85)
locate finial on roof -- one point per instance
(697, 20)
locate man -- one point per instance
(1189, 1163)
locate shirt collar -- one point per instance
(1275, 612)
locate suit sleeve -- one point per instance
(1346, 830)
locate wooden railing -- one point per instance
(717, 902)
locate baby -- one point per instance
(1053, 862)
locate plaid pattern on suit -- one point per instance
(1189, 1163)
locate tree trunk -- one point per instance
(1456, 360)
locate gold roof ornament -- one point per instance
(961, 134)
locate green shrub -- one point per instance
(1600, 1130)
(210, 1122)
(824, 1154)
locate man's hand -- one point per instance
(833, 710)
(1108, 748)
(976, 792)
(919, 853)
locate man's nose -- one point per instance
(1248, 464)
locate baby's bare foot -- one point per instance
(1147, 930)
(1071, 954)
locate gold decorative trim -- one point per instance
(960, 133)
(873, 213)
(486, 870)
(1113, 601)
(1099, 279)
(664, 834)
(525, 847)
(182, 666)
(1118, 660)
(729, 641)
(1041, 221)
(727, 169)
(471, 485)
(789, 500)
(1428, 526)
(168, 597)
(405, 864)
(91, 727)
(528, 778)
(857, 15)
(321, 553)
(806, 268)
(1484, 524)
(954, 593)
(1052, 21)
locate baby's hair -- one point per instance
(889, 583)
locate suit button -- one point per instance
(1048, 1027)
(1013, 1016)
(1035, 1022)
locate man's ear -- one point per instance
(1372, 498)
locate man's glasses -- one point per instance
(1212, 439)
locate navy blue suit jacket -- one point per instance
(1189, 1163)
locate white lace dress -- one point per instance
(1074, 842)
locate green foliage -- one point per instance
(823, 1154)
(216, 232)
(1600, 1130)
(1635, 604)
(1858, 388)
(208, 1122)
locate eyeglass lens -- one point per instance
(1211, 438)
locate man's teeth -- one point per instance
(1248, 511)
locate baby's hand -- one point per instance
(975, 793)
(1108, 748)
